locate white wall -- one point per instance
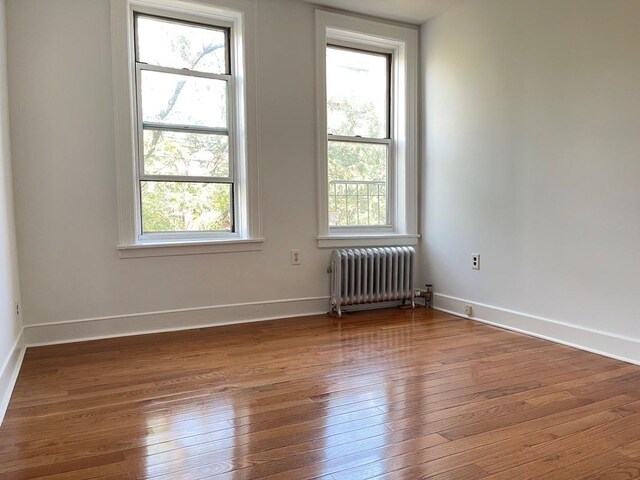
(10, 327)
(65, 183)
(533, 161)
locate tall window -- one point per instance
(359, 136)
(367, 132)
(185, 165)
(185, 122)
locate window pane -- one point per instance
(357, 184)
(183, 100)
(185, 153)
(357, 93)
(186, 207)
(179, 45)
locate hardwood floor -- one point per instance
(397, 394)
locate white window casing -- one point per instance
(239, 17)
(402, 44)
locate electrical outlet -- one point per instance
(17, 311)
(475, 261)
(295, 257)
(468, 310)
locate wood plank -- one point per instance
(628, 470)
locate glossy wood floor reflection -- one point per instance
(395, 394)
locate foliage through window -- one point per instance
(185, 163)
(359, 137)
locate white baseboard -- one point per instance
(171, 320)
(9, 373)
(608, 344)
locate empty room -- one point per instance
(319, 239)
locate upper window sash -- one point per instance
(175, 22)
(343, 49)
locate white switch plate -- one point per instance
(295, 257)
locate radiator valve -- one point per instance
(425, 293)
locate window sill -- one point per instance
(384, 240)
(166, 249)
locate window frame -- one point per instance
(387, 140)
(334, 29)
(237, 18)
(141, 125)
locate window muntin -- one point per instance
(185, 166)
(359, 137)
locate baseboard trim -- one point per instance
(626, 349)
(170, 320)
(9, 373)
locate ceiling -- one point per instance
(409, 11)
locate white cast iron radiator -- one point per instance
(371, 275)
